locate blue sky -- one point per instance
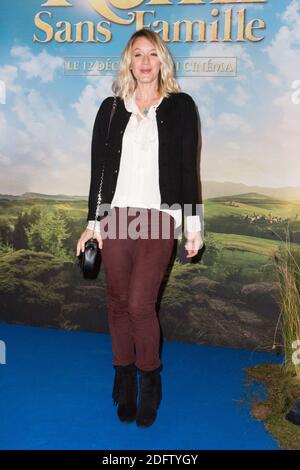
(249, 123)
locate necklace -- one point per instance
(146, 110)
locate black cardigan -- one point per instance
(179, 136)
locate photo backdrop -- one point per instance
(240, 61)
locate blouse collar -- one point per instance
(145, 131)
(132, 107)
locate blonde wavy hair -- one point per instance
(125, 83)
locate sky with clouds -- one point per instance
(250, 125)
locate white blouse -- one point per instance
(138, 178)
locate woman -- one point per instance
(150, 163)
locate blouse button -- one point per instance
(106, 143)
(161, 121)
(121, 132)
(119, 151)
(116, 171)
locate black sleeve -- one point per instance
(191, 138)
(97, 157)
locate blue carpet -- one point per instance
(56, 394)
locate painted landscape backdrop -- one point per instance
(226, 296)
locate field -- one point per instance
(227, 295)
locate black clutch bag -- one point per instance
(90, 259)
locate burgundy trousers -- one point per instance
(134, 266)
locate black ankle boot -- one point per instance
(150, 397)
(125, 392)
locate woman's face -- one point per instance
(145, 63)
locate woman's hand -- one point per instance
(194, 243)
(85, 236)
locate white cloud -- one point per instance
(244, 61)
(39, 116)
(209, 92)
(269, 136)
(49, 153)
(284, 116)
(4, 160)
(239, 97)
(42, 65)
(9, 75)
(232, 145)
(284, 51)
(291, 14)
(45, 151)
(2, 123)
(232, 122)
(273, 79)
(91, 97)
